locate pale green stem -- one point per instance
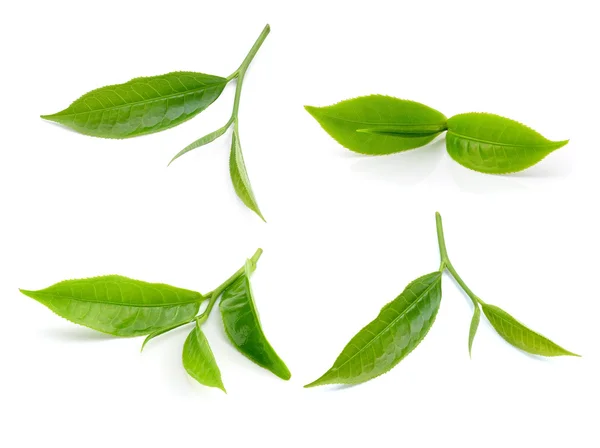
(241, 71)
(446, 264)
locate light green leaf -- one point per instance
(119, 305)
(379, 124)
(142, 105)
(199, 360)
(242, 325)
(493, 144)
(163, 331)
(474, 324)
(208, 138)
(396, 331)
(518, 335)
(239, 176)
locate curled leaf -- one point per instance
(141, 105)
(208, 138)
(394, 333)
(474, 324)
(119, 305)
(493, 144)
(242, 325)
(163, 331)
(518, 335)
(199, 360)
(239, 176)
(379, 124)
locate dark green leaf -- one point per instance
(493, 144)
(199, 361)
(142, 105)
(242, 325)
(517, 334)
(474, 324)
(239, 176)
(396, 331)
(119, 305)
(379, 124)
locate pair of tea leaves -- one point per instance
(379, 125)
(124, 307)
(151, 104)
(405, 321)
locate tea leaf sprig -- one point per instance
(405, 321)
(151, 104)
(124, 307)
(379, 125)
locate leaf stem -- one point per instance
(241, 71)
(248, 59)
(216, 293)
(446, 264)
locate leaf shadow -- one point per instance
(406, 167)
(482, 183)
(77, 334)
(550, 168)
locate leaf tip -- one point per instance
(284, 374)
(50, 117)
(311, 109)
(144, 343)
(26, 292)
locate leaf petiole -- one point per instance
(446, 264)
(212, 299)
(226, 284)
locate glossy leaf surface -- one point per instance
(474, 325)
(142, 105)
(379, 124)
(517, 334)
(242, 325)
(119, 305)
(199, 360)
(394, 333)
(493, 144)
(239, 176)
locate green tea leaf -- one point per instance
(493, 144)
(518, 335)
(474, 324)
(239, 176)
(242, 325)
(379, 124)
(142, 105)
(164, 330)
(199, 360)
(119, 305)
(396, 331)
(208, 138)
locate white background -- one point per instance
(345, 232)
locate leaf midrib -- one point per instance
(388, 326)
(514, 145)
(131, 104)
(378, 123)
(77, 299)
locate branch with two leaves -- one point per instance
(405, 321)
(151, 104)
